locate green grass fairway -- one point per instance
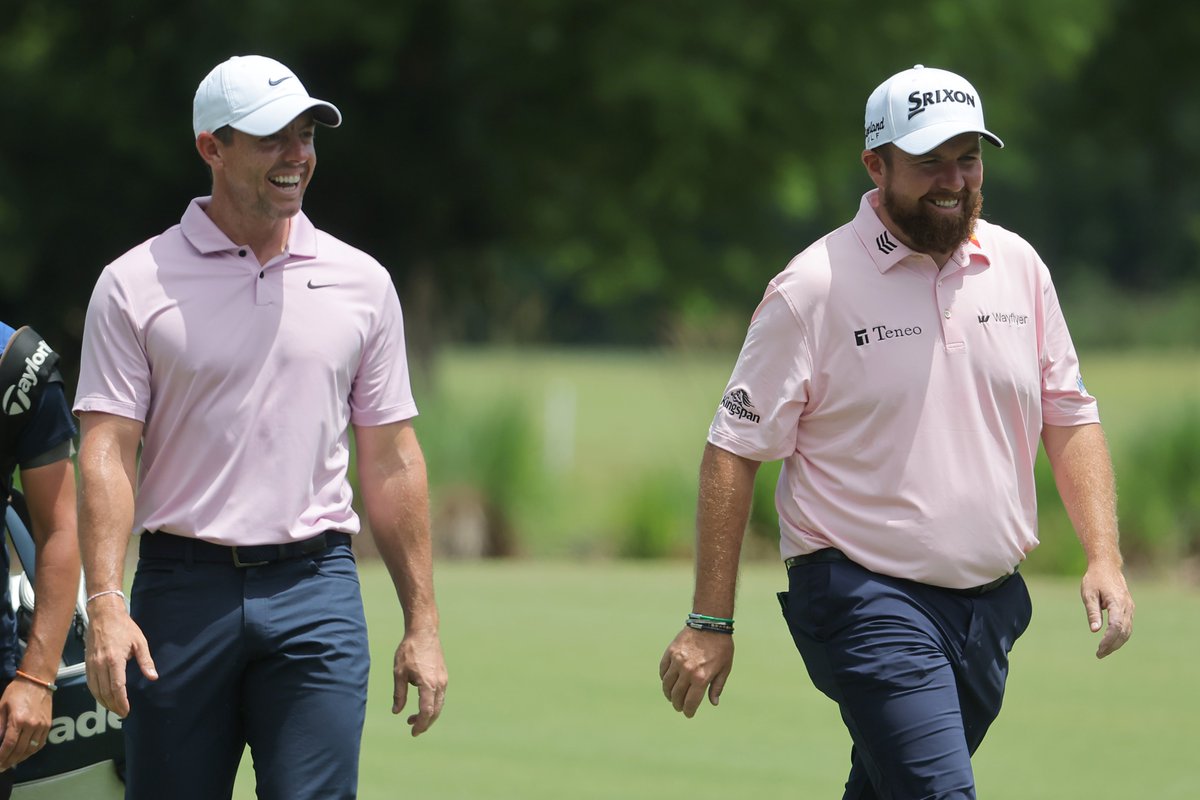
(554, 694)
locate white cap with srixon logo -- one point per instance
(920, 108)
(256, 95)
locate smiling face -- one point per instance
(259, 181)
(932, 200)
(265, 176)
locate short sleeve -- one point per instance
(48, 436)
(1065, 399)
(768, 390)
(382, 392)
(114, 372)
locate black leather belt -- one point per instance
(183, 548)
(830, 554)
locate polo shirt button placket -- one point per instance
(262, 292)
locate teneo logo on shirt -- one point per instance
(85, 726)
(919, 101)
(16, 397)
(881, 333)
(737, 403)
(1001, 318)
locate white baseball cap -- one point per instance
(920, 108)
(256, 95)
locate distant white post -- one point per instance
(558, 426)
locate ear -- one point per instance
(209, 147)
(876, 167)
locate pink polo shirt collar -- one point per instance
(203, 234)
(886, 250)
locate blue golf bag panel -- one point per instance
(82, 732)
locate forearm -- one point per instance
(107, 465)
(723, 508)
(56, 586)
(1083, 473)
(105, 523)
(50, 498)
(396, 498)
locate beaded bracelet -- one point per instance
(51, 687)
(711, 627)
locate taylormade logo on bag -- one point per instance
(16, 397)
(85, 726)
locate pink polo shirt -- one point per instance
(245, 377)
(907, 404)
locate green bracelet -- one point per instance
(706, 618)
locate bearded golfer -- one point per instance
(905, 368)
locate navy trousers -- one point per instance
(273, 656)
(918, 672)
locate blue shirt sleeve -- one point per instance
(51, 426)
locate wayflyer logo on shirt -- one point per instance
(1009, 318)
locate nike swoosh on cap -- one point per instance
(278, 81)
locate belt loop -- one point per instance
(189, 553)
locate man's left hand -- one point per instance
(25, 713)
(1104, 589)
(419, 662)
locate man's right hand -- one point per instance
(113, 638)
(696, 662)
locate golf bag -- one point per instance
(84, 755)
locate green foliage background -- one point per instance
(605, 173)
(589, 171)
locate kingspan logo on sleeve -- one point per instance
(737, 403)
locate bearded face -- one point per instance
(932, 200)
(928, 228)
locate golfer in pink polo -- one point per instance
(235, 352)
(905, 368)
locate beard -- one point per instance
(930, 232)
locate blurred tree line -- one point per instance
(594, 171)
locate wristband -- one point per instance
(101, 594)
(711, 627)
(51, 687)
(706, 618)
